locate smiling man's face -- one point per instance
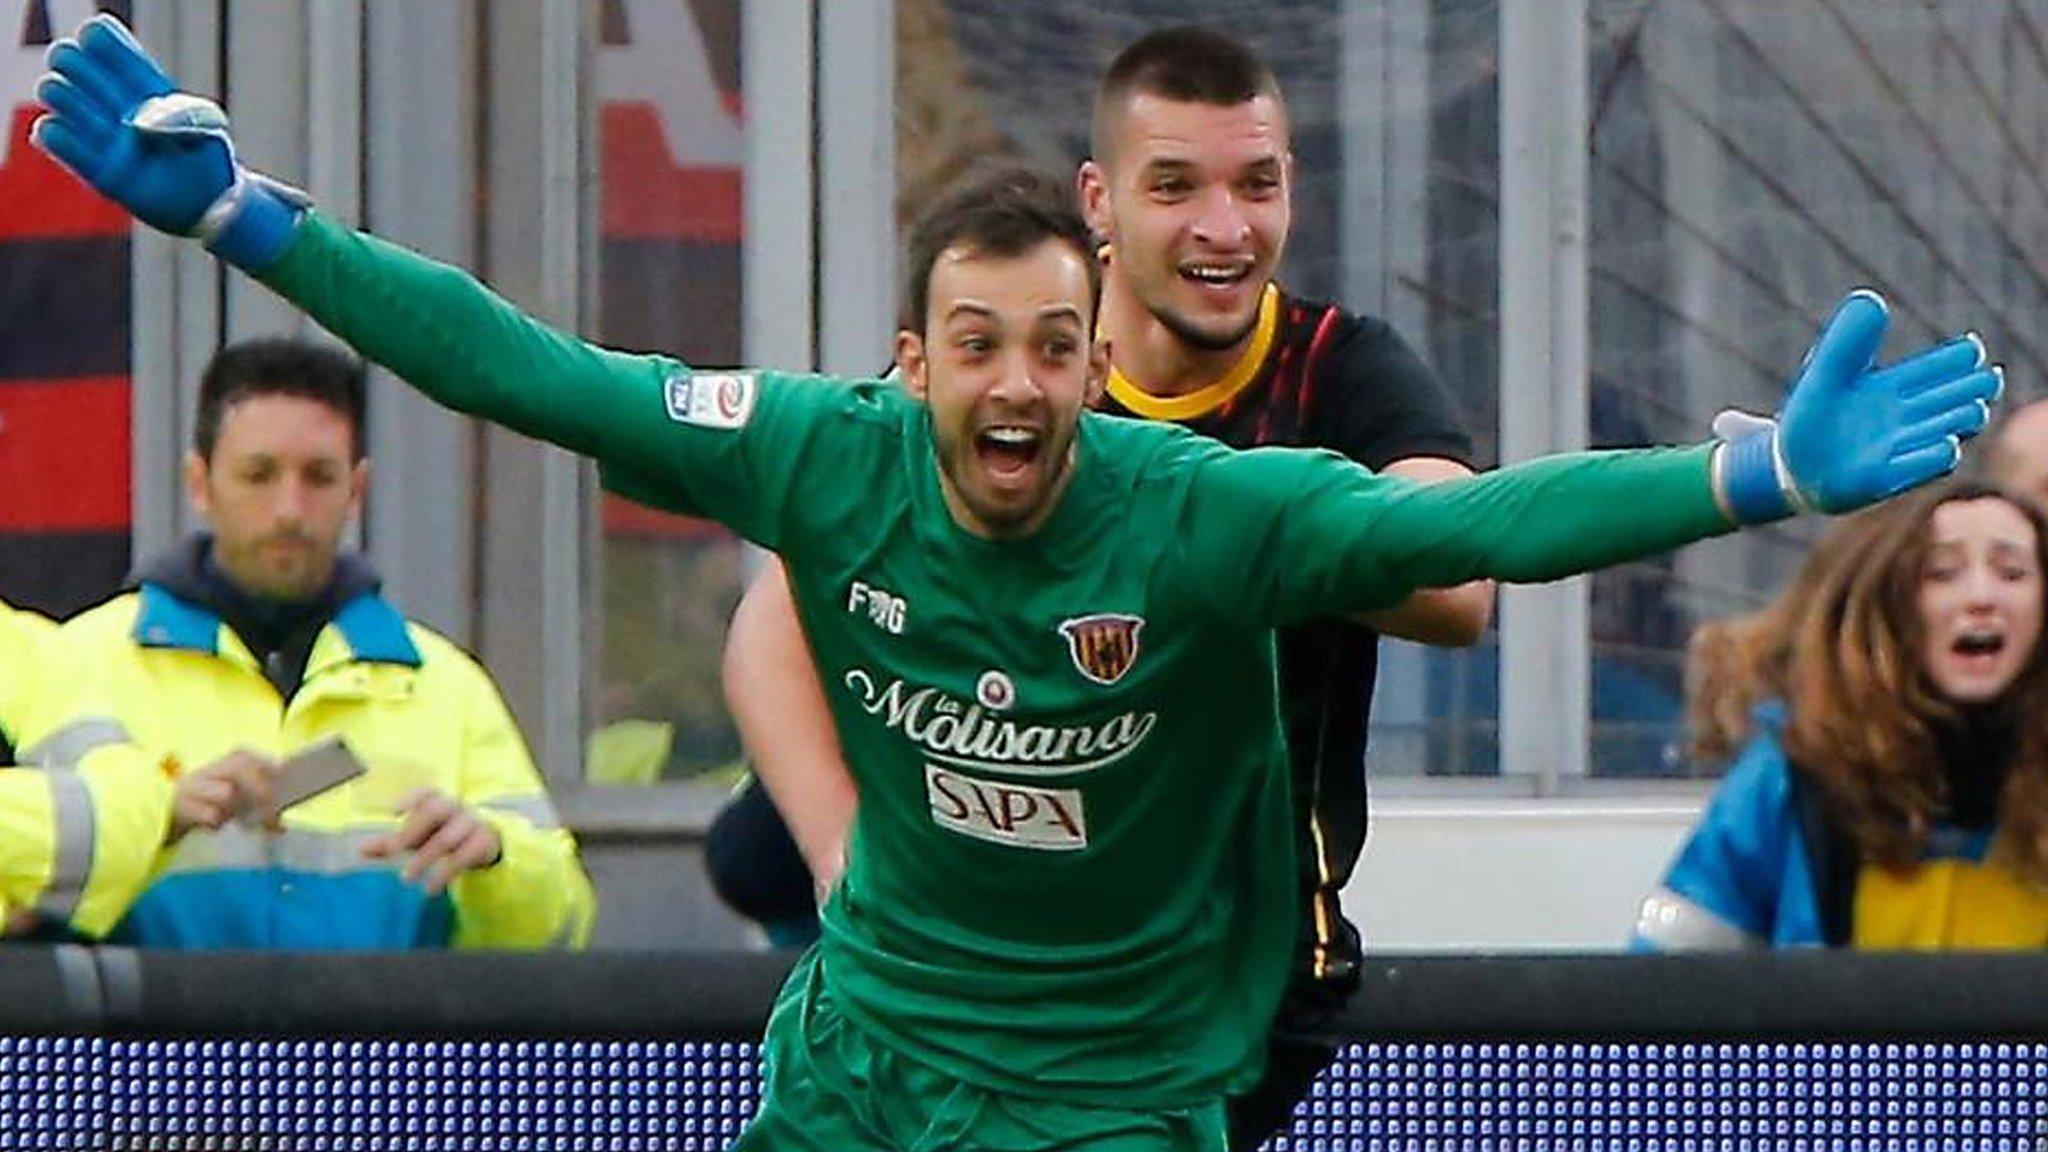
(1195, 200)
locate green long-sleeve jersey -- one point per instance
(1071, 872)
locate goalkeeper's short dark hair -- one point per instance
(1001, 209)
(281, 366)
(1188, 63)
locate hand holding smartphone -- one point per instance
(318, 767)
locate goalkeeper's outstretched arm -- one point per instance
(721, 448)
(1328, 537)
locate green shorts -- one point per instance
(828, 1087)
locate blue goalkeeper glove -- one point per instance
(114, 118)
(1852, 433)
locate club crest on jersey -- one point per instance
(710, 399)
(1104, 645)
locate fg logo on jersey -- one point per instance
(1104, 645)
(710, 399)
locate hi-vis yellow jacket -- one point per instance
(417, 710)
(79, 831)
(21, 640)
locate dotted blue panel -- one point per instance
(497, 1096)
(50, 1093)
(1677, 1098)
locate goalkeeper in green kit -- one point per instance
(1068, 909)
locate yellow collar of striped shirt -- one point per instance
(1211, 396)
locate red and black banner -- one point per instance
(64, 346)
(670, 148)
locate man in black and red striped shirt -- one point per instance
(1189, 189)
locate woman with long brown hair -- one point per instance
(1887, 717)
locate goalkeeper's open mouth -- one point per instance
(1009, 453)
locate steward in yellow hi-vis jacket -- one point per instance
(79, 831)
(21, 638)
(172, 662)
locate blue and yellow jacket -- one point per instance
(417, 710)
(80, 827)
(1765, 867)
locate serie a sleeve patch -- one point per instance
(711, 399)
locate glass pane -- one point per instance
(1436, 199)
(1751, 161)
(64, 371)
(1392, 107)
(670, 154)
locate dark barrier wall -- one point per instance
(717, 996)
(114, 1049)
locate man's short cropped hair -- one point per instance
(1189, 64)
(280, 366)
(995, 209)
